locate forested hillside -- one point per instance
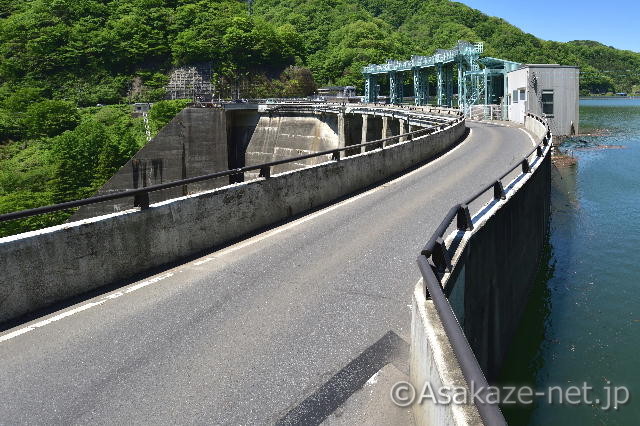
(61, 58)
(101, 51)
(342, 36)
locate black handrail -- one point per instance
(434, 260)
(498, 182)
(141, 195)
(471, 370)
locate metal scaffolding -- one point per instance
(191, 82)
(480, 80)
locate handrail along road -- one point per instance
(141, 195)
(434, 261)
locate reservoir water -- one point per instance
(582, 323)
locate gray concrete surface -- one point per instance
(280, 136)
(82, 256)
(500, 265)
(371, 404)
(193, 143)
(433, 362)
(494, 271)
(249, 333)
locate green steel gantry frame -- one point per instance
(480, 80)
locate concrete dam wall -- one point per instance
(194, 143)
(200, 141)
(54, 264)
(279, 136)
(494, 268)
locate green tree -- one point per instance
(162, 112)
(50, 118)
(297, 82)
(21, 98)
(10, 128)
(75, 155)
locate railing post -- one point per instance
(237, 177)
(141, 200)
(539, 151)
(526, 168)
(498, 191)
(440, 256)
(336, 156)
(265, 172)
(464, 218)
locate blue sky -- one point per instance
(614, 23)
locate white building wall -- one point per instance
(561, 81)
(517, 82)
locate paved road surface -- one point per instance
(283, 327)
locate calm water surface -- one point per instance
(583, 320)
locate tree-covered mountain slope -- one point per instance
(106, 51)
(58, 55)
(341, 36)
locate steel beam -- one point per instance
(395, 87)
(440, 89)
(420, 86)
(370, 88)
(461, 86)
(448, 85)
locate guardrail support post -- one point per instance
(526, 168)
(265, 172)
(141, 200)
(236, 177)
(498, 191)
(440, 256)
(336, 156)
(464, 218)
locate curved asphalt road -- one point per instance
(260, 332)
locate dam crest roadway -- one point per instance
(304, 322)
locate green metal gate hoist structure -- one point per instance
(481, 81)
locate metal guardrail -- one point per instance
(487, 112)
(434, 261)
(141, 195)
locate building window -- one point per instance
(522, 95)
(547, 102)
(515, 96)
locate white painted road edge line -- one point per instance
(84, 307)
(231, 249)
(533, 141)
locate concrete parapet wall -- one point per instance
(494, 270)
(500, 266)
(50, 265)
(535, 126)
(434, 362)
